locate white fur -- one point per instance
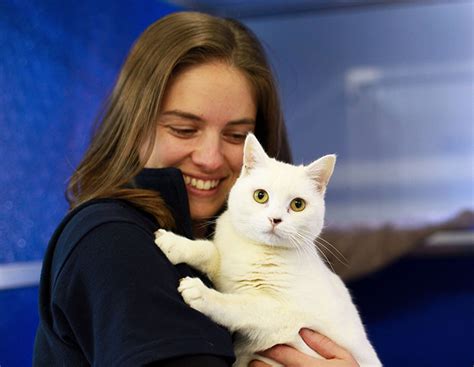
(271, 283)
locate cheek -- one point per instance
(167, 151)
(309, 224)
(234, 156)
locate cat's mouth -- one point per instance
(272, 232)
(200, 184)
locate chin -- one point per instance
(200, 216)
(272, 239)
(202, 209)
(202, 213)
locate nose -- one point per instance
(274, 221)
(208, 155)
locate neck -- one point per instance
(199, 229)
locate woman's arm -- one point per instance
(335, 356)
(117, 300)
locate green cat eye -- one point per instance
(260, 196)
(297, 204)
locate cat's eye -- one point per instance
(297, 204)
(260, 196)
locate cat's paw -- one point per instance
(194, 292)
(171, 245)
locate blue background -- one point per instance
(58, 61)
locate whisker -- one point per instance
(211, 221)
(295, 243)
(296, 246)
(325, 258)
(306, 244)
(303, 244)
(338, 255)
(334, 247)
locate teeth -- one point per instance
(200, 184)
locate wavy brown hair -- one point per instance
(129, 117)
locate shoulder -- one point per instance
(108, 246)
(119, 293)
(108, 211)
(102, 215)
(95, 225)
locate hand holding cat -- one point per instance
(335, 355)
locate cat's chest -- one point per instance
(253, 269)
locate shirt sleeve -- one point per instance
(117, 298)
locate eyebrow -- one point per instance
(193, 117)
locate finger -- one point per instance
(287, 356)
(323, 345)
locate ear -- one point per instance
(321, 171)
(254, 154)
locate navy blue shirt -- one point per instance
(108, 295)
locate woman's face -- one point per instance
(207, 111)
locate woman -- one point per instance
(190, 90)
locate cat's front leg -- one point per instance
(215, 305)
(200, 254)
(175, 247)
(252, 314)
(196, 294)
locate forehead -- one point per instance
(285, 179)
(213, 91)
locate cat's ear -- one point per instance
(254, 154)
(321, 171)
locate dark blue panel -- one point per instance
(419, 312)
(18, 321)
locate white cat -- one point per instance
(269, 277)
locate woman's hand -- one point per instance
(335, 356)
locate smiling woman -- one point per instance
(152, 88)
(201, 131)
(167, 149)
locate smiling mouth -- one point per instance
(199, 184)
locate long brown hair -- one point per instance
(129, 117)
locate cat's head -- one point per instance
(276, 203)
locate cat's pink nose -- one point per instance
(274, 221)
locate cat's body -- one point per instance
(269, 277)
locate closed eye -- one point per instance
(182, 132)
(235, 137)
